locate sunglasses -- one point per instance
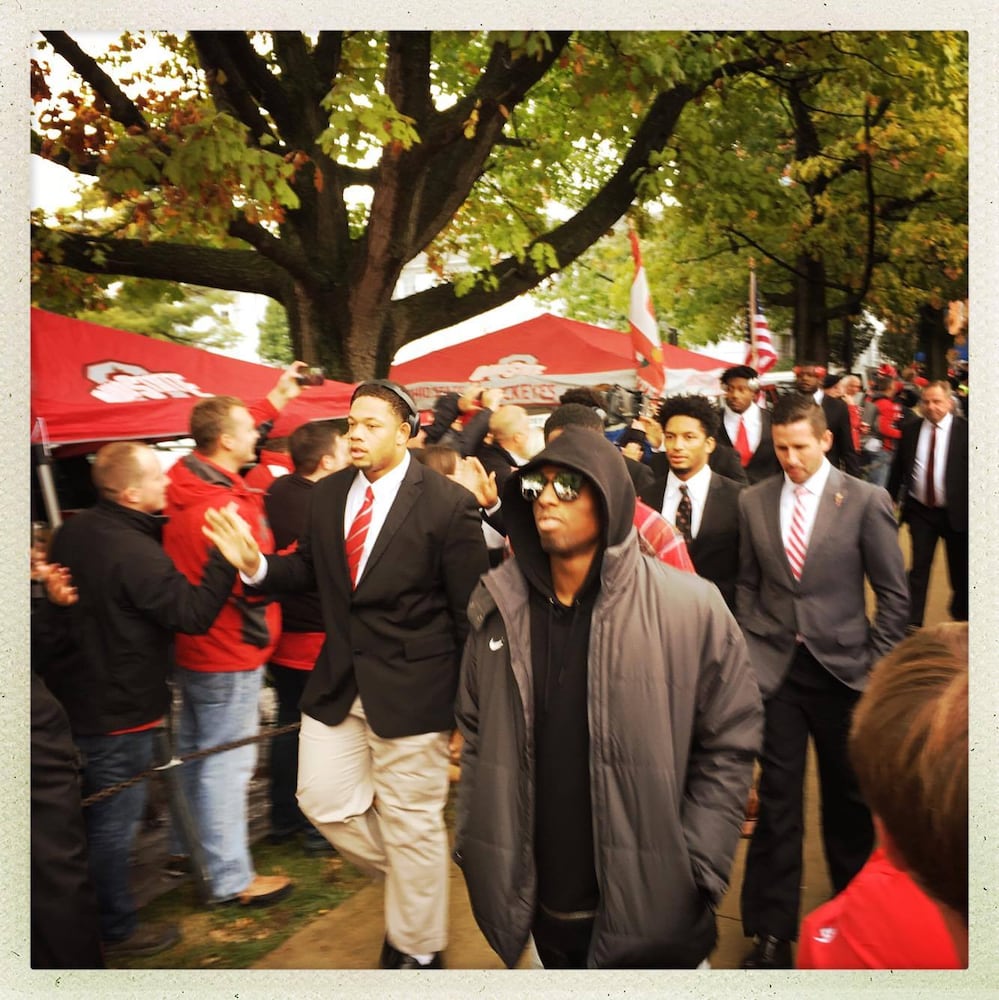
(567, 485)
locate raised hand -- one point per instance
(58, 583)
(231, 535)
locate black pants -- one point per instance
(286, 817)
(927, 525)
(65, 930)
(561, 944)
(809, 701)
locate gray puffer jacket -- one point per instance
(675, 722)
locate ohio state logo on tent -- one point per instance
(119, 382)
(512, 366)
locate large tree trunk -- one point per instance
(934, 340)
(811, 330)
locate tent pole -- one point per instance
(46, 482)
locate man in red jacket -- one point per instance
(219, 673)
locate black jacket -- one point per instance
(396, 638)
(763, 462)
(287, 505)
(842, 454)
(955, 475)
(715, 550)
(120, 632)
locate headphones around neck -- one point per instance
(413, 420)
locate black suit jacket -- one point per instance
(955, 475)
(842, 454)
(715, 550)
(397, 639)
(764, 460)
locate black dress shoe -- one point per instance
(768, 953)
(408, 962)
(389, 958)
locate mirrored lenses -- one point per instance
(566, 485)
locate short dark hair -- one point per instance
(738, 371)
(438, 457)
(793, 407)
(210, 419)
(631, 435)
(309, 443)
(573, 415)
(696, 407)
(585, 395)
(395, 401)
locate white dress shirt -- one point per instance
(814, 486)
(753, 420)
(385, 490)
(918, 486)
(697, 490)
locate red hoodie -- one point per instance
(247, 628)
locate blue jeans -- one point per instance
(217, 708)
(879, 467)
(111, 823)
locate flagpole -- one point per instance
(751, 312)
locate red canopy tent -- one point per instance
(92, 383)
(534, 362)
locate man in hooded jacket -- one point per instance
(610, 720)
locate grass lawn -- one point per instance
(234, 937)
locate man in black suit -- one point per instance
(934, 451)
(842, 453)
(745, 426)
(378, 706)
(703, 505)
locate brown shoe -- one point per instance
(264, 890)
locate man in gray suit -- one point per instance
(807, 541)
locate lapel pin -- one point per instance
(838, 498)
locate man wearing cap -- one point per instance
(746, 426)
(610, 720)
(394, 550)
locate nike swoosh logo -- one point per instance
(495, 644)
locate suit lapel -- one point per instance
(834, 497)
(709, 515)
(770, 497)
(335, 541)
(409, 490)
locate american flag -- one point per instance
(761, 354)
(644, 331)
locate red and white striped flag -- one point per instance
(644, 329)
(761, 354)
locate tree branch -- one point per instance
(239, 79)
(119, 105)
(326, 56)
(235, 270)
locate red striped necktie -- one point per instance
(357, 534)
(795, 548)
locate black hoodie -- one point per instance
(560, 637)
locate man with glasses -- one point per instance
(610, 721)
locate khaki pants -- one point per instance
(380, 802)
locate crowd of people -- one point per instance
(626, 639)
